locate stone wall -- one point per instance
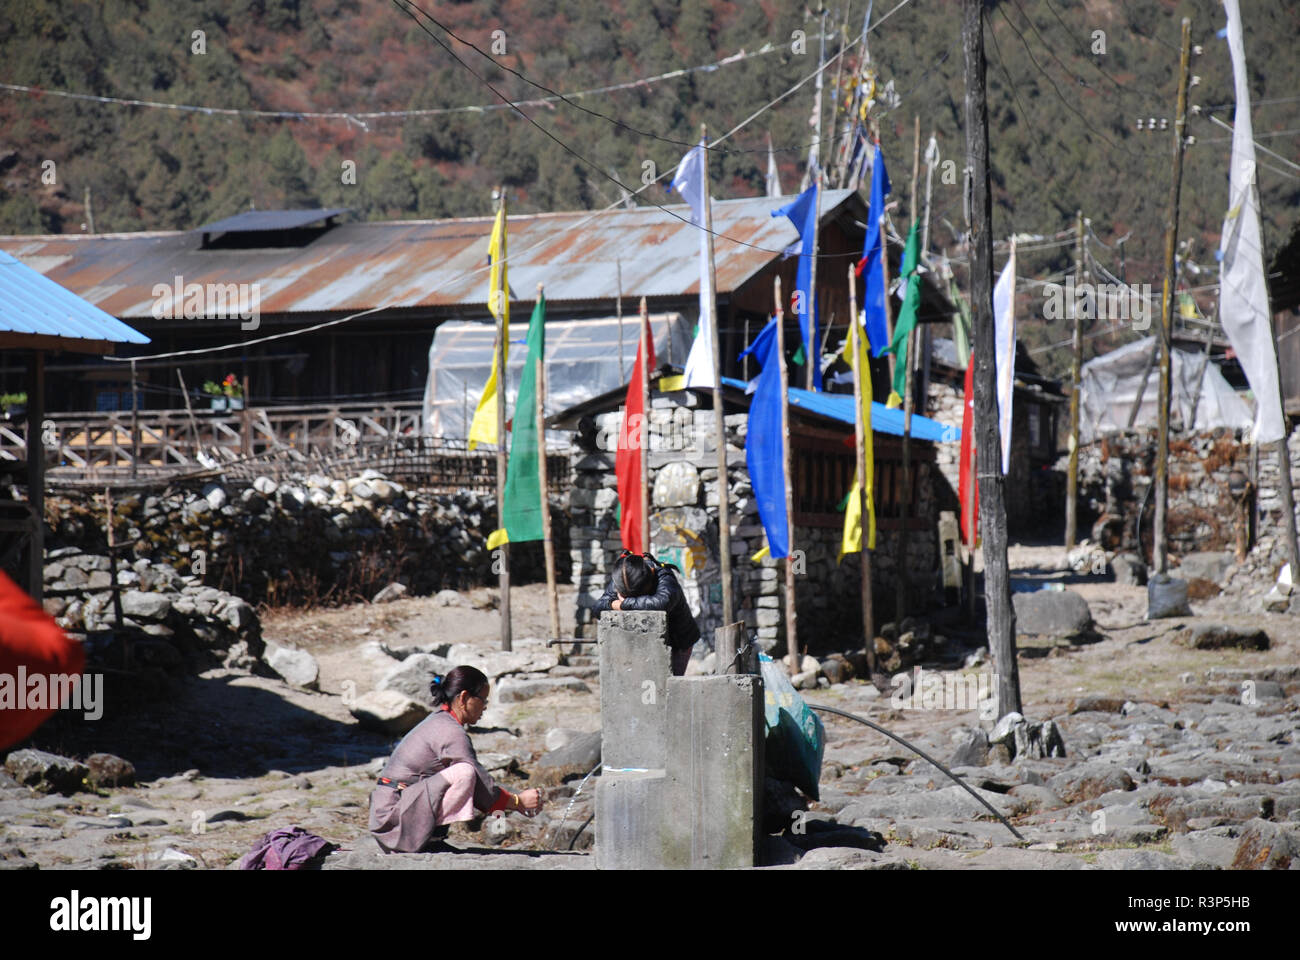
(684, 531)
(1116, 472)
(307, 539)
(1035, 497)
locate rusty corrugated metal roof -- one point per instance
(427, 263)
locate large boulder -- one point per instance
(511, 690)
(412, 676)
(1217, 636)
(1052, 613)
(296, 667)
(579, 754)
(108, 770)
(1212, 566)
(46, 771)
(388, 711)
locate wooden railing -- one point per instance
(334, 439)
(172, 439)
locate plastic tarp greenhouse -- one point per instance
(584, 358)
(1110, 383)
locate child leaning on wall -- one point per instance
(643, 583)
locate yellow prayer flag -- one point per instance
(852, 539)
(497, 537)
(484, 427)
(762, 554)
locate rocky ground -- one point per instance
(1180, 748)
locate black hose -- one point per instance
(955, 779)
(580, 829)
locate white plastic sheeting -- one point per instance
(1110, 383)
(582, 362)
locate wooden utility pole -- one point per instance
(861, 439)
(993, 514)
(643, 357)
(503, 559)
(1072, 476)
(548, 545)
(724, 511)
(791, 614)
(1160, 549)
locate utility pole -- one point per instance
(1072, 477)
(1160, 549)
(993, 513)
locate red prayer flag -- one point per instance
(967, 488)
(31, 646)
(627, 467)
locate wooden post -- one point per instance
(135, 425)
(36, 474)
(112, 556)
(1072, 473)
(993, 515)
(618, 309)
(245, 426)
(861, 440)
(904, 579)
(812, 355)
(727, 643)
(644, 355)
(189, 410)
(548, 546)
(719, 414)
(791, 611)
(889, 311)
(1160, 549)
(503, 560)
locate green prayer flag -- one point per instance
(798, 356)
(523, 493)
(911, 303)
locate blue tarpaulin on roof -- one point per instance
(839, 406)
(32, 303)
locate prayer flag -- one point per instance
(871, 267)
(907, 315)
(1004, 338)
(633, 433)
(852, 538)
(802, 213)
(483, 429)
(689, 182)
(765, 443)
(523, 494)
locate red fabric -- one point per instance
(504, 799)
(30, 638)
(967, 488)
(627, 467)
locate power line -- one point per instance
(1057, 90)
(240, 345)
(355, 116)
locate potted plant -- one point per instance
(15, 404)
(226, 395)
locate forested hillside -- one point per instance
(1063, 131)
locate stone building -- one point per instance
(684, 521)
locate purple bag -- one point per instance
(289, 848)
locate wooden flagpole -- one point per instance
(644, 359)
(719, 414)
(503, 572)
(548, 545)
(861, 440)
(905, 497)
(791, 612)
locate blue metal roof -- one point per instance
(31, 303)
(839, 406)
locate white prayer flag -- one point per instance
(1004, 339)
(1243, 291)
(689, 182)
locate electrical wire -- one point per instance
(240, 345)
